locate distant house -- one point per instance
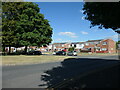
(101, 46)
(94, 46)
(13, 49)
(78, 45)
(60, 46)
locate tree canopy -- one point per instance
(12, 0)
(24, 25)
(103, 14)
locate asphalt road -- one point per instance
(29, 76)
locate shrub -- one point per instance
(71, 49)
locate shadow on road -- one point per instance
(84, 73)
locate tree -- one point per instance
(103, 14)
(117, 43)
(0, 15)
(9, 20)
(12, 0)
(71, 49)
(31, 29)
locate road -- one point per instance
(29, 76)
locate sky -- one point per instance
(69, 25)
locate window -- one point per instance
(104, 49)
(91, 42)
(97, 42)
(104, 43)
(86, 44)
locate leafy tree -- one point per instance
(71, 49)
(9, 20)
(0, 26)
(103, 14)
(30, 27)
(12, 0)
(118, 42)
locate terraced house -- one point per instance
(60, 46)
(94, 46)
(101, 46)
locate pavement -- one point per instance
(48, 74)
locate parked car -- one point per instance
(54, 53)
(60, 53)
(72, 53)
(34, 53)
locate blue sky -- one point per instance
(68, 23)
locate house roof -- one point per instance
(94, 40)
(77, 42)
(59, 43)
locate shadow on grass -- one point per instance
(78, 73)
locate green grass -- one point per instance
(82, 54)
(23, 59)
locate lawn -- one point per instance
(23, 59)
(97, 54)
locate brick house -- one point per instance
(78, 45)
(60, 46)
(94, 46)
(101, 46)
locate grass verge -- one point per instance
(23, 59)
(97, 54)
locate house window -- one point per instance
(97, 42)
(104, 43)
(86, 44)
(91, 42)
(104, 49)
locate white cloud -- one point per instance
(70, 34)
(84, 32)
(83, 18)
(114, 36)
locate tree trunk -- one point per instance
(3, 50)
(25, 49)
(9, 49)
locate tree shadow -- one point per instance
(84, 73)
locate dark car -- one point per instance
(60, 53)
(72, 53)
(34, 53)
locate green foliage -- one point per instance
(71, 49)
(12, 0)
(117, 44)
(23, 25)
(103, 14)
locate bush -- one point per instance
(71, 49)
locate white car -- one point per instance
(72, 53)
(54, 53)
